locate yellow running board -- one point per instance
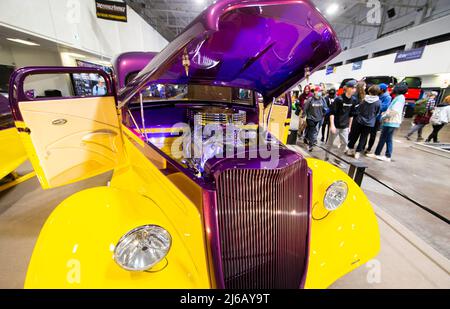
(16, 181)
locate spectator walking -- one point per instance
(368, 111)
(391, 120)
(422, 111)
(385, 101)
(315, 108)
(341, 116)
(329, 99)
(441, 116)
(306, 94)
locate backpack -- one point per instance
(420, 108)
(436, 119)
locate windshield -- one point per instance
(413, 82)
(378, 80)
(182, 92)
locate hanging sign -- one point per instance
(330, 70)
(111, 10)
(408, 55)
(357, 66)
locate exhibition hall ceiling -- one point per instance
(355, 21)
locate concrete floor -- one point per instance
(400, 265)
(24, 209)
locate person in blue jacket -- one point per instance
(391, 121)
(385, 99)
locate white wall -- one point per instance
(19, 56)
(435, 61)
(74, 23)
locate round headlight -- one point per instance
(335, 195)
(142, 247)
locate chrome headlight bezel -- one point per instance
(339, 185)
(127, 240)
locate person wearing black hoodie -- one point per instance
(315, 108)
(368, 111)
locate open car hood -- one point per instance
(267, 46)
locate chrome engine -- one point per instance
(214, 130)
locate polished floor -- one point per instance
(24, 209)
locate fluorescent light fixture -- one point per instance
(332, 9)
(25, 42)
(200, 1)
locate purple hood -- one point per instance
(259, 45)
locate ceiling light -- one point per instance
(332, 9)
(200, 1)
(26, 42)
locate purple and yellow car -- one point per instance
(201, 194)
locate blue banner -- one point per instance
(357, 65)
(408, 55)
(330, 70)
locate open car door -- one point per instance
(70, 133)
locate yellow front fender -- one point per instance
(343, 239)
(75, 247)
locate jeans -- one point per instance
(373, 134)
(292, 137)
(386, 137)
(434, 135)
(416, 128)
(343, 137)
(312, 130)
(325, 129)
(360, 132)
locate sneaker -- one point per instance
(310, 148)
(420, 139)
(407, 137)
(357, 155)
(384, 158)
(371, 155)
(350, 152)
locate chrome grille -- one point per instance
(263, 226)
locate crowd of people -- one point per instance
(359, 114)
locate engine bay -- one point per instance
(192, 135)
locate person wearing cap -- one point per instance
(391, 120)
(385, 100)
(329, 99)
(341, 116)
(100, 88)
(315, 108)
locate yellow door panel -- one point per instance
(12, 152)
(72, 139)
(277, 121)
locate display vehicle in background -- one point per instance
(414, 85)
(341, 86)
(201, 195)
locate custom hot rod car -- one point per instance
(201, 195)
